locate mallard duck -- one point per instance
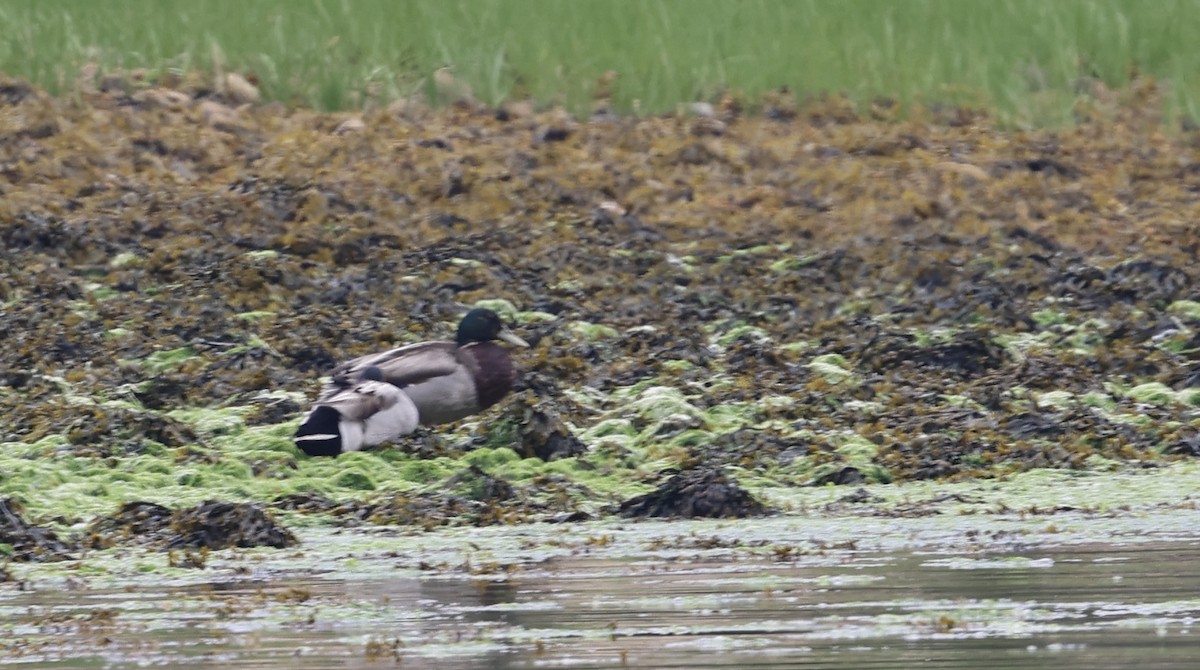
(364, 414)
(445, 381)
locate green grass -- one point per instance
(1022, 57)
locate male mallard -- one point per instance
(363, 414)
(445, 381)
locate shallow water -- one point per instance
(983, 591)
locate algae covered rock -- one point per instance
(695, 493)
(212, 524)
(217, 525)
(24, 541)
(534, 430)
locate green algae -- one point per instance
(638, 430)
(76, 486)
(1099, 463)
(677, 366)
(1189, 309)
(162, 361)
(960, 401)
(1019, 344)
(491, 458)
(1098, 400)
(1149, 393)
(1189, 397)
(655, 403)
(776, 401)
(753, 333)
(1047, 318)
(1057, 333)
(928, 337)
(100, 292)
(757, 250)
(223, 421)
(254, 316)
(125, 259)
(1152, 393)
(834, 368)
(534, 316)
(1098, 491)
(797, 348)
(1059, 400)
(261, 254)
(731, 416)
(501, 433)
(354, 479)
(857, 450)
(592, 332)
(503, 308)
(425, 471)
(608, 427)
(1179, 343)
(793, 263)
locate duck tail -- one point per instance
(319, 434)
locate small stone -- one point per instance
(163, 97)
(451, 89)
(350, 125)
(239, 89)
(221, 117)
(708, 127)
(549, 133)
(520, 109)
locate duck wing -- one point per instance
(402, 366)
(363, 400)
(364, 415)
(397, 414)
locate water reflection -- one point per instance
(1093, 606)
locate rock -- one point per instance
(239, 90)
(451, 89)
(548, 133)
(542, 434)
(162, 97)
(306, 502)
(221, 117)
(707, 126)
(29, 542)
(133, 520)
(475, 484)
(218, 525)
(350, 125)
(846, 475)
(212, 524)
(695, 493)
(569, 517)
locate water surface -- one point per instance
(997, 591)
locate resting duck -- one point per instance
(445, 381)
(364, 414)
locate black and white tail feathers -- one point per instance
(364, 415)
